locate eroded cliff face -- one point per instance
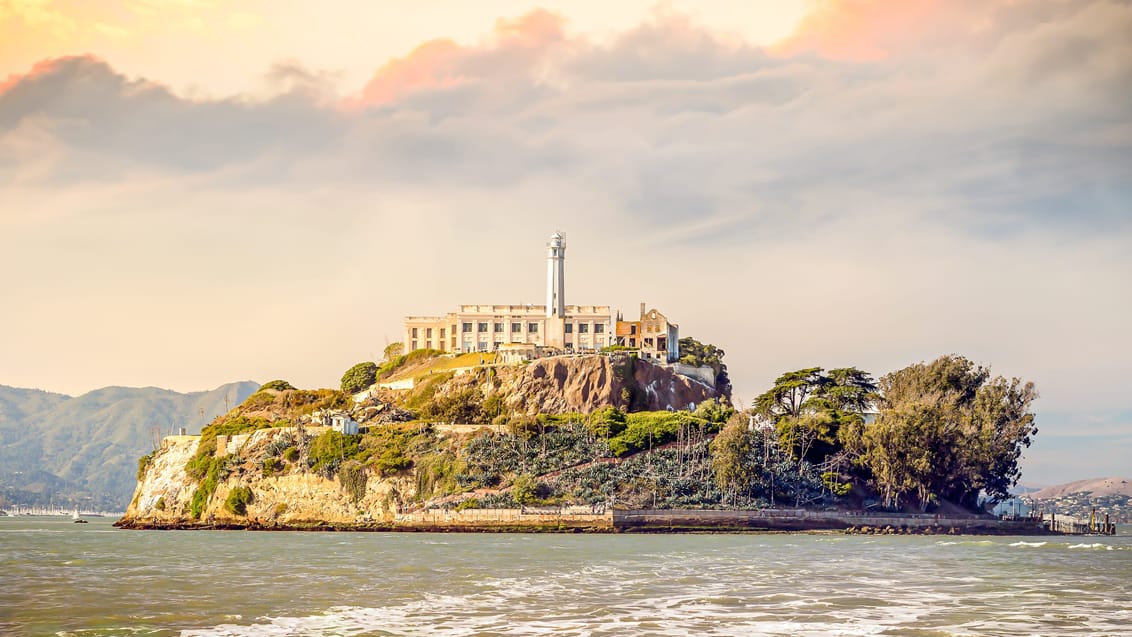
(567, 384)
(293, 496)
(284, 489)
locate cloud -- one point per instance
(893, 183)
(515, 50)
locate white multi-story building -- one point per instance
(486, 328)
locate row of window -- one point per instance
(516, 328)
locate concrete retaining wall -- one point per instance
(800, 519)
(504, 518)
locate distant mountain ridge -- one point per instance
(83, 450)
(1095, 486)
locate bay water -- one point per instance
(64, 579)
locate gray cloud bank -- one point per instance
(969, 193)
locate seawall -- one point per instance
(632, 521)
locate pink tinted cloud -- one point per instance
(43, 67)
(443, 63)
(867, 30)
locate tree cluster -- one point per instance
(944, 430)
(947, 429)
(697, 354)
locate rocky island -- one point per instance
(597, 442)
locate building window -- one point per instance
(428, 332)
(632, 329)
(467, 327)
(516, 327)
(414, 346)
(414, 332)
(599, 328)
(569, 328)
(442, 333)
(498, 327)
(583, 328)
(532, 328)
(481, 327)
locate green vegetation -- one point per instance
(359, 377)
(524, 489)
(143, 465)
(697, 354)
(209, 470)
(238, 500)
(392, 365)
(352, 476)
(946, 429)
(463, 406)
(751, 469)
(160, 504)
(808, 408)
(437, 474)
(606, 422)
(645, 430)
(425, 389)
(270, 467)
(331, 448)
(393, 350)
(277, 385)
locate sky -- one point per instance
(194, 191)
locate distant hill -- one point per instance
(83, 451)
(1097, 487)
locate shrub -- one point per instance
(143, 465)
(523, 489)
(238, 500)
(437, 473)
(277, 385)
(160, 504)
(606, 422)
(645, 430)
(464, 406)
(270, 466)
(280, 509)
(291, 454)
(259, 399)
(330, 448)
(493, 406)
(716, 412)
(468, 503)
(352, 477)
(359, 377)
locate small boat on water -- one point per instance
(76, 519)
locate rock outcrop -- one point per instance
(274, 451)
(582, 384)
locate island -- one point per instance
(605, 442)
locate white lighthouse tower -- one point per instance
(555, 276)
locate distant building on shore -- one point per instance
(554, 326)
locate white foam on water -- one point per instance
(1095, 545)
(1030, 544)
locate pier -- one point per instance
(1069, 525)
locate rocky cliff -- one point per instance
(289, 496)
(458, 433)
(584, 383)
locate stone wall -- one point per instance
(803, 520)
(503, 518)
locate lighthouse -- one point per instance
(555, 276)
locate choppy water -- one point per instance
(60, 578)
